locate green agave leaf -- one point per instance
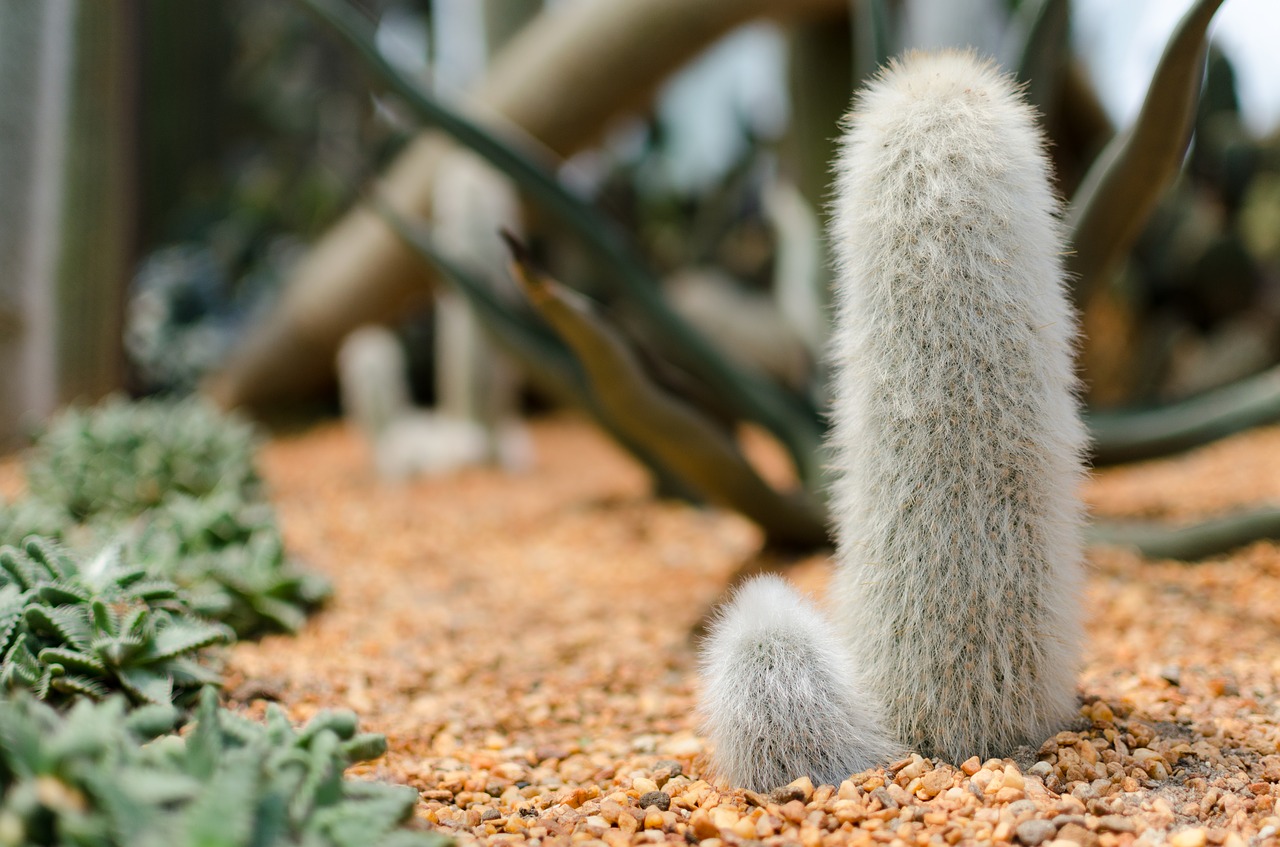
(1044, 52)
(129, 820)
(1128, 178)
(367, 820)
(63, 592)
(20, 666)
(69, 624)
(105, 619)
(74, 660)
(88, 730)
(322, 785)
(12, 601)
(341, 722)
(145, 685)
(80, 686)
(283, 614)
(188, 673)
(152, 590)
(364, 747)
(52, 562)
(118, 651)
(181, 636)
(279, 729)
(155, 787)
(204, 744)
(149, 721)
(874, 43)
(17, 569)
(757, 399)
(673, 430)
(223, 814)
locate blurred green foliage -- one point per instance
(98, 777)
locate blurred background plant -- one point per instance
(96, 775)
(171, 485)
(672, 162)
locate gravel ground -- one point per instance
(524, 643)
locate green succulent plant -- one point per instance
(69, 631)
(227, 554)
(121, 458)
(90, 778)
(29, 516)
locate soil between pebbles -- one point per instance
(523, 640)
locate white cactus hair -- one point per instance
(956, 439)
(778, 698)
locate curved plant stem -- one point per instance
(872, 39)
(1044, 52)
(1133, 436)
(666, 426)
(754, 398)
(1126, 181)
(1189, 543)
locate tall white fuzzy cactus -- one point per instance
(956, 441)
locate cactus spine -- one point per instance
(956, 438)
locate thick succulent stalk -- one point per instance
(956, 440)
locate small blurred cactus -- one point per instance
(121, 457)
(98, 776)
(173, 484)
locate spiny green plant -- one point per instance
(69, 631)
(90, 778)
(120, 458)
(29, 516)
(227, 554)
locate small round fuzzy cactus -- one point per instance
(779, 694)
(956, 445)
(956, 436)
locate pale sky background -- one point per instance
(1122, 40)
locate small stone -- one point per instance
(885, 799)
(795, 810)
(661, 799)
(1116, 823)
(666, 769)
(1077, 835)
(644, 786)
(971, 766)
(1035, 831)
(702, 825)
(1190, 838)
(745, 828)
(653, 820)
(804, 786)
(724, 817)
(935, 782)
(490, 815)
(786, 793)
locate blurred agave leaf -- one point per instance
(1133, 436)
(1130, 175)
(1044, 50)
(756, 399)
(1157, 540)
(527, 338)
(874, 38)
(666, 426)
